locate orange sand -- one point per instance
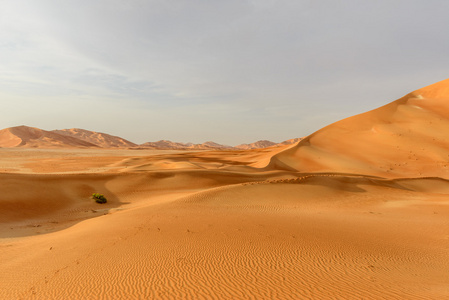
(358, 210)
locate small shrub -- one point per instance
(99, 198)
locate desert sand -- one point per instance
(357, 210)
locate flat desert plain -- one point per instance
(357, 210)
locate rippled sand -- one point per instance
(211, 225)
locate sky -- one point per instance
(199, 70)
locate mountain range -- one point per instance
(31, 137)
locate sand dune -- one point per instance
(100, 139)
(357, 210)
(406, 138)
(30, 137)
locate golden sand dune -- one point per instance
(30, 137)
(406, 138)
(26, 197)
(100, 139)
(315, 220)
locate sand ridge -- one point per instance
(100, 139)
(30, 137)
(405, 138)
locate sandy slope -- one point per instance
(30, 137)
(227, 231)
(237, 224)
(406, 138)
(313, 237)
(100, 139)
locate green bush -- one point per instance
(99, 198)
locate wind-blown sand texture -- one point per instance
(313, 220)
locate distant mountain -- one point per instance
(169, 145)
(99, 139)
(30, 137)
(209, 145)
(164, 144)
(256, 145)
(291, 141)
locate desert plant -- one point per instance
(99, 198)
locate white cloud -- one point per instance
(220, 64)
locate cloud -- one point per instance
(240, 66)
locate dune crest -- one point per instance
(405, 138)
(438, 90)
(99, 139)
(31, 137)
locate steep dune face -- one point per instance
(100, 139)
(406, 138)
(24, 198)
(8, 139)
(30, 137)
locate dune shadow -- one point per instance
(34, 204)
(354, 182)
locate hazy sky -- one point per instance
(228, 71)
